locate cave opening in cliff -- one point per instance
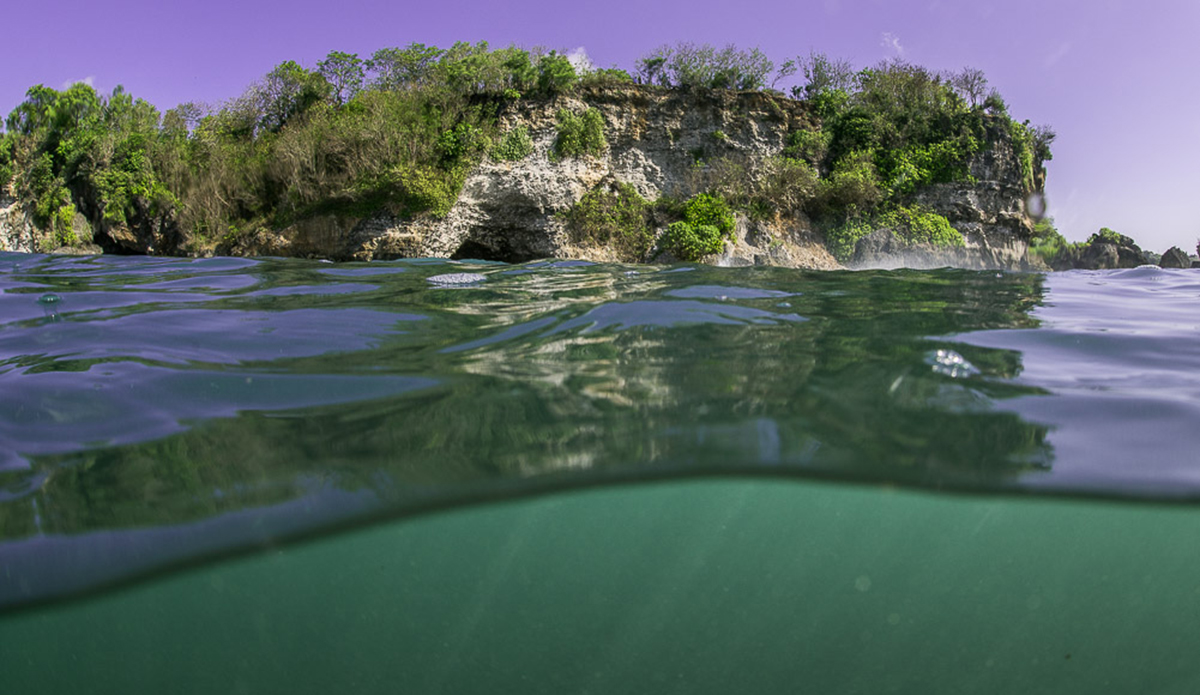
(505, 253)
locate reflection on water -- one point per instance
(170, 393)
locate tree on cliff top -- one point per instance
(691, 66)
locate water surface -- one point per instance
(160, 414)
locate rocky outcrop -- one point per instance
(17, 231)
(507, 210)
(992, 211)
(885, 249)
(1175, 257)
(1102, 252)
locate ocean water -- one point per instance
(280, 475)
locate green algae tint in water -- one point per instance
(699, 587)
(161, 414)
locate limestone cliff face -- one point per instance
(17, 231)
(992, 212)
(508, 210)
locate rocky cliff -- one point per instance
(17, 231)
(657, 141)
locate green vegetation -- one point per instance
(1056, 252)
(691, 66)
(618, 218)
(690, 242)
(912, 223)
(705, 210)
(1048, 245)
(707, 222)
(6, 160)
(579, 135)
(515, 145)
(605, 77)
(883, 134)
(399, 131)
(1109, 236)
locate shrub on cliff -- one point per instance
(605, 77)
(579, 135)
(707, 222)
(513, 146)
(618, 218)
(787, 185)
(555, 73)
(913, 224)
(691, 242)
(851, 189)
(706, 210)
(808, 145)
(1108, 236)
(922, 226)
(7, 163)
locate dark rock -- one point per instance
(1101, 253)
(149, 231)
(1175, 258)
(1100, 257)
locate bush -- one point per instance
(922, 226)
(691, 66)
(7, 160)
(1108, 236)
(514, 146)
(915, 166)
(705, 210)
(1047, 244)
(691, 242)
(619, 218)
(787, 184)
(428, 189)
(841, 239)
(808, 145)
(579, 135)
(555, 73)
(461, 142)
(605, 77)
(852, 189)
(913, 224)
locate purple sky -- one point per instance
(1116, 79)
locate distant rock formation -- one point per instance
(1175, 258)
(1104, 250)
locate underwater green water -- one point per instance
(695, 587)
(269, 475)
